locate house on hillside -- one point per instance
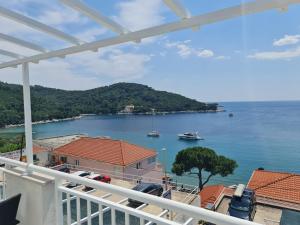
(128, 109)
(115, 157)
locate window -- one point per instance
(77, 162)
(138, 165)
(34, 157)
(63, 159)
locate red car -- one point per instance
(98, 177)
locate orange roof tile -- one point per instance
(275, 185)
(38, 149)
(105, 150)
(210, 194)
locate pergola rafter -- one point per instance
(192, 22)
(178, 8)
(95, 15)
(22, 43)
(10, 54)
(38, 25)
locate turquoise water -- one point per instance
(261, 134)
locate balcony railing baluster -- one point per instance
(68, 209)
(100, 214)
(78, 212)
(89, 212)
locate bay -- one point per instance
(260, 134)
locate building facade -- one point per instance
(114, 157)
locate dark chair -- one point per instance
(8, 210)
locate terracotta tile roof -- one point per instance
(228, 191)
(105, 150)
(274, 185)
(38, 149)
(210, 194)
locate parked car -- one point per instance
(149, 188)
(98, 177)
(80, 174)
(243, 207)
(64, 169)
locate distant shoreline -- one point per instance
(174, 112)
(44, 121)
(120, 113)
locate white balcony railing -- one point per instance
(73, 206)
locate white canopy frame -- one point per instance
(124, 35)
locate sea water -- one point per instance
(260, 134)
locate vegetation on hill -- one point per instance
(10, 143)
(50, 103)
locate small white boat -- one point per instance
(190, 136)
(153, 134)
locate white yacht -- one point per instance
(190, 136)
(153, 134)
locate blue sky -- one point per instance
(253, 58)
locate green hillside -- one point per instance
(50, 103)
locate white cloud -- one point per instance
(205, 53)
(55, 73)
(184, 50)
(58, 16)
(222, 57)
(113, 63)
(287, 40)
(139, 14)
(273, 55)
(84, 71)
(91, 34)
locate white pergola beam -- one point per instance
(178, 8)
(37, 25)
(95, 15)
(27, 113)
(21, 43)
(10, 54)
(201, 20)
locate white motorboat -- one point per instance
(190, 136)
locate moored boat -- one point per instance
(190, 136)
(153, 134)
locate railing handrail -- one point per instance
(189, 210)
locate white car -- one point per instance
(80, 174)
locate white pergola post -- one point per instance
(27, 113)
